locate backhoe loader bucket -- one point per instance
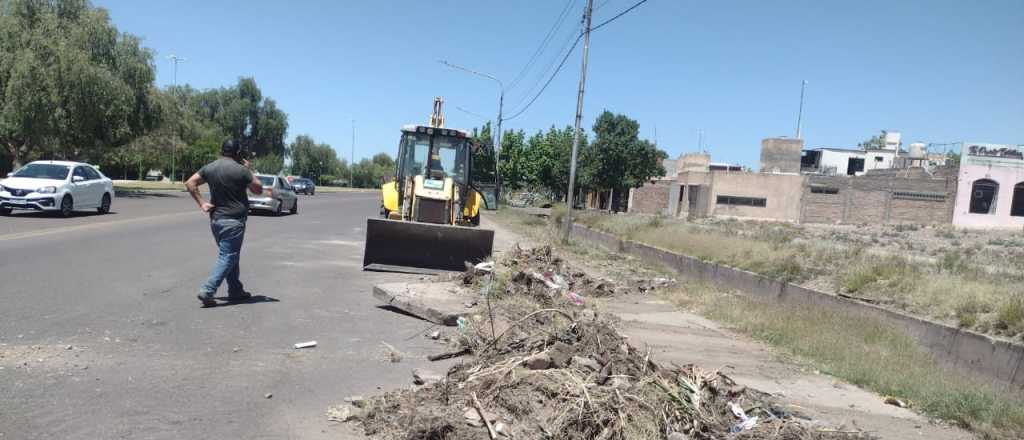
(403, 246)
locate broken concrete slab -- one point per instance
(435, 302)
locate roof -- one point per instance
(60, 162)
(412, 128)
(839, 150)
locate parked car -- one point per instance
(303, 185)
(56, 186)
(277, 196)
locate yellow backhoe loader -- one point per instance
(430, 212)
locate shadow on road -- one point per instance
(255, 299)
(399, 311)
(53, 215)
(134, 194)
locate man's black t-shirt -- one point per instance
(228, 181)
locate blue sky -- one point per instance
(937, 70)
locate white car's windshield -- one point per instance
(266, 181)
(43, 171)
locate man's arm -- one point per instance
(254, 185)
(192, 184)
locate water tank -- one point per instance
(917, 151)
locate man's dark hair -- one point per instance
(230, 147)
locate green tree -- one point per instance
(546, 161)
(70, 82)
(618, 159)
(876, 142)
(483, 155)
(371, 173)
(317, 161)
(268, 163)
(514, 164)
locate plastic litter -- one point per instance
(305, 344)
(745, 422)
(487, 266)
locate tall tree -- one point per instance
(483, 155)
(618, 159)
(70, 82)
(547, 159)
(316, 161)
(514, 166)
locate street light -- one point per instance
(800, 113)
(174, 146)
(501, 106)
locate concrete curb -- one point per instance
(972, 353)
(420, 300)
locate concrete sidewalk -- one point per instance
(684, 338)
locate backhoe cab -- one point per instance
(431, 209)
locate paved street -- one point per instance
(145, 362)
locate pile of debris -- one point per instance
(539, 274)
(546, 368)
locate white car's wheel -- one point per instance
(104, 205)
(67, 206)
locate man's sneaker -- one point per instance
(206, 300)
(239, 296)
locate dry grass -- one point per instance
(861, 350)
(938, 288)
(142, 185)
(868, 353)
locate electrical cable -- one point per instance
(566, 57)
(543, 44)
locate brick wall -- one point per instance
(651, 198)
(879, 198)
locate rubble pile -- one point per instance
(546, 368)
(538, 273)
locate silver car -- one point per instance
(277, 196)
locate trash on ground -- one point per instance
(549, 367)
(896, 402)
(307, 344)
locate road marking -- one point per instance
(61, 230)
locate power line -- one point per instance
(471, 113)
(572, 38)
(551, 78)
(566, 57)
(616, 17)
(543, 44)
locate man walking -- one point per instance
(228, 178)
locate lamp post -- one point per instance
(174, 147)
(352, 158)
(800, 113)
(501, 108)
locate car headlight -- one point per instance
(47, 190)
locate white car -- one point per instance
(277, 196)
(57, 186)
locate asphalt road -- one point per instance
(145, 362)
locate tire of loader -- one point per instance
(412, 247)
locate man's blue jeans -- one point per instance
(228, 233)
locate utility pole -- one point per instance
(800, 114)
(174, 147)
(352, 158)
(567, 228)
(700, 140)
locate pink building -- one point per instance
(990, 189)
